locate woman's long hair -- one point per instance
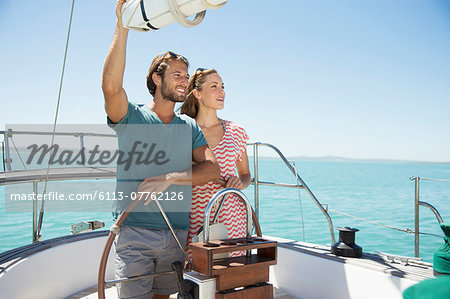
(191, 105)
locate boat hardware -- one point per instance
(218, 209)
(241, 276)
(178, 15)
(37, 237)
(145, 15)
(301, 184)
(300, 201)
(255, 221)
(216, 197)
(346, 245)
(86, 226)
(418, 203)
(3, 154)
(17, 152)
(216, 215)
(398, 259)
(184, 286)
(7, 157)
(206, 229)
(189, 262)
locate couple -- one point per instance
(145, 245)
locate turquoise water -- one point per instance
(376, 191)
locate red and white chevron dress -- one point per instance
(232, 214)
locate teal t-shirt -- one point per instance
(148, 147)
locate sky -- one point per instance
(356, 79)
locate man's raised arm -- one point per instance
(116, 101)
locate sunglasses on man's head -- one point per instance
(167, 55)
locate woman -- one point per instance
(228, 140)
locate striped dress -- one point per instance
(232, 214)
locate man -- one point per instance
(144, 245)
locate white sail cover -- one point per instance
(145, 15)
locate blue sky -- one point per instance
(360, 79)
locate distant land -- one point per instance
(344, 159)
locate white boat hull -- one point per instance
(306, 275)
(56, 272)
(303, 271)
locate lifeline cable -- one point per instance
(408, 230)
(299, 200)
(3, 152)
(41, 213)
(435, 180)
(17, 151)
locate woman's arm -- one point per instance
(241, 181)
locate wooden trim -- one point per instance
(256, 292)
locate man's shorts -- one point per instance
(144, 251)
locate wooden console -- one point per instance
(250, 270)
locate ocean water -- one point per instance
(376, 191)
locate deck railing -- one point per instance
(301, 184)
(418, 203)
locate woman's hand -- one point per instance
(234, 182)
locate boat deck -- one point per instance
(414, 270)
(111, 293)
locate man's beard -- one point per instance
(171, 94)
